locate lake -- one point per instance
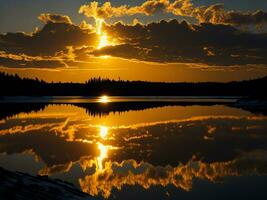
(139, 148)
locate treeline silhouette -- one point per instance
(13, 85)
(99, 109)
(9, 110)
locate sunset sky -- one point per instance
(154, 40)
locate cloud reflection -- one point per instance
(117, 175)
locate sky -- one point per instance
(153, 40)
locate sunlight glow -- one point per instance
(103, 99)
(99, 23)
(103, 132)
(104, 39)
(103, 154)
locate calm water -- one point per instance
(140, 150)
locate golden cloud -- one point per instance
(54, 18)
(115, 175)
(214, 13)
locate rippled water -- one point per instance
(140, 150)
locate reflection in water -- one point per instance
(103, 132)
(131, 173)
(102, 148)
(164, 146)
(103, 99)
(98, 106)
(103, 154)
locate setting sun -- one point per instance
(103, 99)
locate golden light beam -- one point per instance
(103, 132)
(104, 39)
(103, 154)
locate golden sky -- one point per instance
(165, 40)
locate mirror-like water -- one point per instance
(139, 150)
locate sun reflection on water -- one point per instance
(103, 155)
(103, 99)
(103, 132)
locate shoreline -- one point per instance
(20, 186)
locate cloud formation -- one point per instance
(129, 172)
(52, 38)
(22, 60)
(49, 47)
(54, 18)
(105, 11)
(172, 41)
(215, 41)
(218, 15)
(149, 7)
(215, 13)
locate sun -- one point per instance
(103, 99)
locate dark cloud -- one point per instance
(213, 44)
(53, 37)
(218, 43)
(49, 47)
(54, 18)
(218, 15)
(238, 18)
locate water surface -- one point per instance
(140, 149)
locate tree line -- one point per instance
(13, 85)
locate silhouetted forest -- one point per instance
(13, 85)
(93, 109)
(9, 110)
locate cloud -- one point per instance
(21, 61)
(124, 51)
(52, 46)
(213, 14)
(24, 129)
(218, 15)
(53, 37)
(48, 171)
(238, 18)
(171, 42)
(54, 18)
(150, 7)
(213, 42)
(85, 26)
(129, 172)
(105, 11)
